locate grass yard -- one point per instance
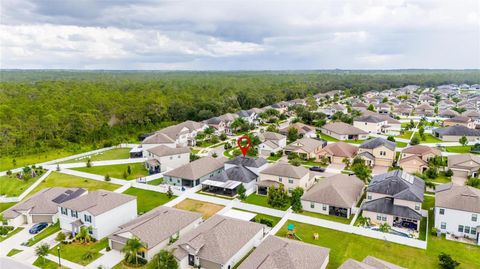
(10, 234)
(156, 182)
(10, 186)
(405, 135)
(273, 158)
(52, 229)
(344, 246)
(111, 154)
(5, 206)
(328, 217)
(13, 251)
(442, 178)
(428, 139)
(261, 200)
(75, 251)
(57, 179)
(122, 265)
(229, 153)
(47, 264)
(327, 137)
(458, 149)
(117, 170)
(273, 219)
(206, 209)
(401, 144)
(148, 200)
(352, 141)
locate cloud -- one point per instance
(147, 34)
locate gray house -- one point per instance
(455, 132)
(194, 173)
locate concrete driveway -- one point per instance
(16, 240)
(459, 181)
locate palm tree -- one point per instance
(83, 235)
(132, 248)
(363, 221)
(163, 260)
(384, 228)
(41, 251)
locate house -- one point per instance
(281, 107)
(382, 108)
(457, 211)
(403, 110)
(459, 120)
(271, 143)
(377, 151)
(337, 152)
(220, 242)
(280, 253)
(415, 159)
(464, 165)
(343, 131)
(448, 113)
(40, 207)
(156, 229)
(393, 126)
(238, 171)
(360, 106)
(222, 123)
(395, 198)
(249, 116)
(303, 130)
(455, 132)
(306, 148)
(101, 212)
(369, 123)
(424, 110)
(288, 175)
(369, 263)
(162, 158)
(194, 173)
(472, 114)
(336, 195)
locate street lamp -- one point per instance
(59, 261)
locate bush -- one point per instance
(434, 231)
(415, 141)
(445, 261)
(449, 173)
(108, 248)
(267, 222)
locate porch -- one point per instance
(227, 188)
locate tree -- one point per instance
(384, 228)
(89, 162)
(463, 140)
(42, 251)
(363, 221)
(415, 140)
(88, 255)
(60, 237)
(296, 200)
(83, 235)
(125, 174)
(421, 132)
(129, 170)
(384, 100)
(447, 262)
(371, 107)
(346, 161)
(361, 170)
(169, 192)
(107, 177)
(241, 192)
(449, 173)
(209, 130)
(277, 197)
(163, 260)
(272, 128)
(132, 248)
(292, 134)
(391, 138)
(295, 162)
(223, 136)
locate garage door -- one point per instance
(41, 218)
(460, 174)
(117, 246)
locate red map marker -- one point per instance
(244, 149)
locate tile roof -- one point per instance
(98, 202)
(340, 190)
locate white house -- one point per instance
(369, 123)
(271, 142)
(457, 211)
(101, 212)
(162, 158)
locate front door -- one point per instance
(191, 260)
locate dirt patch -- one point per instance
(204, 208)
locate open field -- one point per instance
(6, 163)
(206, 209)
(10, 186)
(117, 170)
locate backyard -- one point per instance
(10, 186)
(259, 216)
(458, 149)
(328, 217)
(405, 135)
(428, 139)
(206, 209)
(117, 170)
(261, 200)
(155, 182)
(148, 200)
(76, 251)
(111, 154)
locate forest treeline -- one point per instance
(42, 110)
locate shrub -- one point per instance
(108, 248)
(434, 231)
(445, 261)
(267, 222)
(107, 177)
(449, 173)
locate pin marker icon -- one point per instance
(244, 149)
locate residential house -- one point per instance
(448, 113)
(360, 106)
(403, 110)
(218, 243)
(194, 173)
(424, 110)
(472, 114)
(303, 130)
(457, 211)
(343, 131)
(455, 132)
(377, 151)
(238, 171)
(369, 123)
(222, 123)
(271, 143)
(281, 107)
(288, 175)
(337, 152)
(415, 159)
(464, 165)
(156, 229)
(393, 126)
(336, 195)
(40, 207)
(280, 253)
(249, 116)
(101, 212)
(306, 148)
(383, 108)
(459, 120)
(369, 263)
(395, 198)
(162, 158)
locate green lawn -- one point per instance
(401, 144)
(10, 234)
(112, 154)
(13, 251)
(352, 141)
(344, 246)
(405, 135)
(273, 158)
(156, 182)
(273, 219)
(441, 178)
(148, 200)
(327, 217)
(229, 153)
(327, 137)
(5, 206)
(458, 149)
(117, 170)
(57, 179)
(428, 139)
(10, 186)
(47, 264)
(74, 252)
(261, 200)
(52, 229)
(122, 265)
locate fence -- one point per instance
(27, 191)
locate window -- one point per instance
(280, 179)
(442, 211)
(178, 156)
(384, 218)
(290, 190)
(74, 214)
(417, 207)
(90, 230)
(460, 228)
(171, 157)
(324, 207)
(443, 225)
(290, 181)
(474, 217)
(467, 230)
(312, 205)
(369, 197)
(379, 217)
(473, 231)
(87, 218)
(63, 211)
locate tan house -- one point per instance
(377, 151)
(415, 159)
(371, 124)
(162, 158)
(337, 152)
(369, 263)
(343, 131)
(303, 130)
(459, 120)
(288, 175)
(464, 165)
(306, 148)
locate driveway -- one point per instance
(336, 166)
(377, 170)
(459, 181)
(15, 240)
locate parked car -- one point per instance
(317, 169)
(38, 227)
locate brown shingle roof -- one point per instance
(421, 150)
(340, 190)
(463, 198)
(98, 202)
(163, 150)
(285, 170)
(340, 149)
(343, 128)
(197, 168)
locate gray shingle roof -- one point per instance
(385, 206)
(236, 173)
(343, 128)
(247, 161)
(340, 190)
(163, 150)
(98, 202)
(464, 198)
(398, 184)
(368, 118)
(286, 170)
(377, 142)
(197, 168)
(457, 130)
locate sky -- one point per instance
(239, 35)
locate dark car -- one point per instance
(317, 169)
(38, 227)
